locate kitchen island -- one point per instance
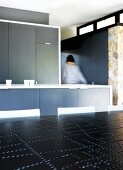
(47, 98)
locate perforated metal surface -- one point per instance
(87, 141)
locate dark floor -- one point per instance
(87, 141)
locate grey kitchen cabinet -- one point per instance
(19, 99)
(29, 52)
(47, 64)
(53, 98)
(3, 52)
(21, 52)
(98, 97)
(47, 52)
(46, 35)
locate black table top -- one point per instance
(80, 141)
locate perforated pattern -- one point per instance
(87, 141)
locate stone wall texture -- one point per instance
(115, 64)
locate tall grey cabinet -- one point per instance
(3, 52)
(29, 52)
(21, 52)
(47, 61)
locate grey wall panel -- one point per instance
(3, 52)
(47, 70)
(100, 98)
(24, 15)
(46, 35)
(94, 57)
(51, 99)
(19, 99)
(21, 52)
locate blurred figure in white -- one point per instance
(71, 72)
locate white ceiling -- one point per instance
(68, 12)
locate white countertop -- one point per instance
(69, 86)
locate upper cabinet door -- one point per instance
(3, 52)
(21, 52)
(46, 35)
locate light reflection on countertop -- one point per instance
(69, 86)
